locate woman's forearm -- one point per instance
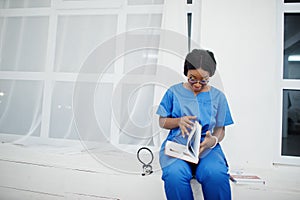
(185, 123)
(169, 123)
(219, 132)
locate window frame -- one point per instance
(283, 84)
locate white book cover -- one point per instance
(190, 151)
(246, 179)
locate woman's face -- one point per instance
(198, 79)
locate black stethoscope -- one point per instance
(147, 168)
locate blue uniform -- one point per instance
(211, 109)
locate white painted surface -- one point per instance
(41, 173)
(243, 36)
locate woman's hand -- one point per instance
(185, 124)
(208, 142)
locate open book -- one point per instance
(190, 151)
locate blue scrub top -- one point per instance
(211, 109)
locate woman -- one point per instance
(181, 105)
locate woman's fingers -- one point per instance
(186, 124)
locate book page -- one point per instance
(193, 143)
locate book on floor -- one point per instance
(190, 151)
(246, 179)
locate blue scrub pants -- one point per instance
(211, 172)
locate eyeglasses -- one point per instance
(193, 81)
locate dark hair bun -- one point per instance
(200, 59)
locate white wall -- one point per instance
(243, 36)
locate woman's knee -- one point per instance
(215, 183)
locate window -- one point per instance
(291, 117)
(291, 1)
(24, 3)
(291, 46)
(290, 83)
(43, 51)
(44, 45)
